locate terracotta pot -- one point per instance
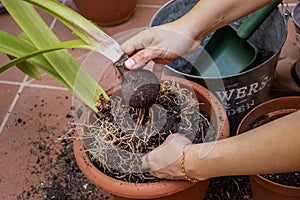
(106, 13)
(162, 190)
(263, 188)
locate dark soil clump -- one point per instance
(140, 88)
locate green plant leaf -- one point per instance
(82, 28)
(59, 46)
(41, 36)
(14, 47)
(28, 68)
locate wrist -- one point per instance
(194, 166)
(183, 164)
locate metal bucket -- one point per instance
(296, 21)
(241, 92)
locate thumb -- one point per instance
(140, 58)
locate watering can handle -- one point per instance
(255, 19)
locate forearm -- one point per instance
(271, 148)
(208, 15)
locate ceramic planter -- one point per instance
(263, 188)
(106, 13)
(161, 190)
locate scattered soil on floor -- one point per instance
(60, 176)
(61, 179)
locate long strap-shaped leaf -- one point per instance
(14, 47)
(59, 46)
(82, 28)
(64, 64)
(29, 69)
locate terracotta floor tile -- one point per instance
(12, 74)
(7, 95)
(140, 19)
(8, 24)
(39, 116)
(42, 112)
(46, 80)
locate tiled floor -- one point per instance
(34, 112)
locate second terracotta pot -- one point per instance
(106, 13)
(162, 190)
(262, 188)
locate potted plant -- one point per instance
(283, 186)
(106, 13)
(37, 48)
(127, 186)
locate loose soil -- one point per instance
(119, 135)
(64, 180)
(60, 178)
(289, 179)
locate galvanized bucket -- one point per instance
(241, 92)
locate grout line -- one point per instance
(10, 82)
(28, 84)
(31, 80)
(12, 105)
(22, 85)
(47, 87)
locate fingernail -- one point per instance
(129, 63)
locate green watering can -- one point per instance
(228, 52)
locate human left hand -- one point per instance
(165, 160)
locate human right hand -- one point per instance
(162, 44)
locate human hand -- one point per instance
(165, 160)
(162, 44)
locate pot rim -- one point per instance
(160, 188)
(275, 107)
(131, 190)
(267, 107)
(276, 187)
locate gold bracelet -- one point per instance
(192, 180)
